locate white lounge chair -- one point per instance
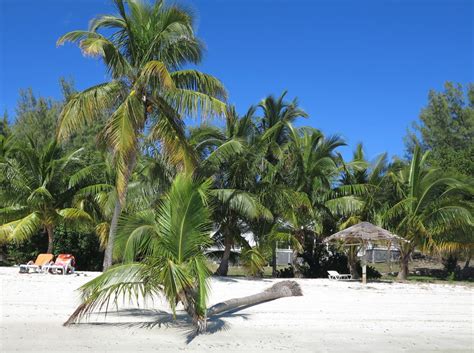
(337, 276)
(41, 261)
(64, 264)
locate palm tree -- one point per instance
(275, 125)
(430, 205)
(163, 252)
(358, 196)
(37, 193)
(144, 50)
(229, 156)
(308, 168)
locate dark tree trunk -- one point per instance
(50, 231)
(278, 290)
(223, 268)
(274, 260)
(353, 269)
(404, 260)
(352, 261)
(294, 264)
(468, 260)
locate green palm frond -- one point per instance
(194, 104)
(253, 261)
(156, 71)
(197, 81)
(75, 215)
(21, 229)
(85, 107)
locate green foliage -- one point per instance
(446, 129)
(84, 246)
(170, 241)
(36, 194)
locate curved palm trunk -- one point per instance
(278, 290)
(50, 231)
(223, 268)
(108, 254)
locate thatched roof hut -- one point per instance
(363, 233)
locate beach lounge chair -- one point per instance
(337, 276)
(64, 263)
(38, 264)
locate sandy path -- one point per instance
(330, 317)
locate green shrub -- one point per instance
(83, 245)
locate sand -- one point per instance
(330, 317)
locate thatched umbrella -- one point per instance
(362, 234)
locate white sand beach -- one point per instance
(330, 317)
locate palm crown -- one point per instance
(149, 93)
(37, 192)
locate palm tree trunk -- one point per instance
(199, 320)
(224, 265)
(468, 259)
(274, 260)
(278, 290)
(294, 264)
(50, 231)
(404, 260)
(352, 261)
(108, 254)
(353, 269)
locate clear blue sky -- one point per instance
(361, 69)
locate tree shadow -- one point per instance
(151, 318)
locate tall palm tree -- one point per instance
(37, 194)
(308, 167)
(144, 48)
(228, 155)
(275, 125)
(163, 252)
(430, 205)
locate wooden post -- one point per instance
(364, 265)
(364, 273)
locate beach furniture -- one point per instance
(41, 261)
(337, 276)
(64, 263)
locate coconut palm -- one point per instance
(37, 193)
(430, 205)
(229, 155)
(274, 126)
(144, 48)
(358, 196)
(163, 251)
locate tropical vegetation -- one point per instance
(163, 199)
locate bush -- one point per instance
(83, 245)
(372, 272)
(450, 264)
(321, 260)
(286, 272)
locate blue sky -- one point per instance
(361, 69)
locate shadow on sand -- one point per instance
(151, 318)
